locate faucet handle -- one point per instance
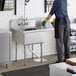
(26, 23)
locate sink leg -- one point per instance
(24, 55)
(41, 51)
(32, 50)
(16, 53)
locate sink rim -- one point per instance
(27, 28)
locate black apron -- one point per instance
(60, 22)
(56, 28)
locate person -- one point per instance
(62, 29)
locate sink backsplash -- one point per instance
(40, 26)
(19, 23)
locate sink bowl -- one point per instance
(27, 28)
(27, 35)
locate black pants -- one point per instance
(63, 42)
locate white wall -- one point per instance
(34, 9)
(72, 9)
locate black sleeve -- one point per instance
(54, 7)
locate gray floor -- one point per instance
(30, 63)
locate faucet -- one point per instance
(22, 21)
(25, 22)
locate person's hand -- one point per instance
(48, 17)
(46, 20)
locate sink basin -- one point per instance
(27, 28)
(27, 35)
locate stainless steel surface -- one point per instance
(5, 46)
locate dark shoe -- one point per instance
(64, 60)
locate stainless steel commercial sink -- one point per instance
(26, 36)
